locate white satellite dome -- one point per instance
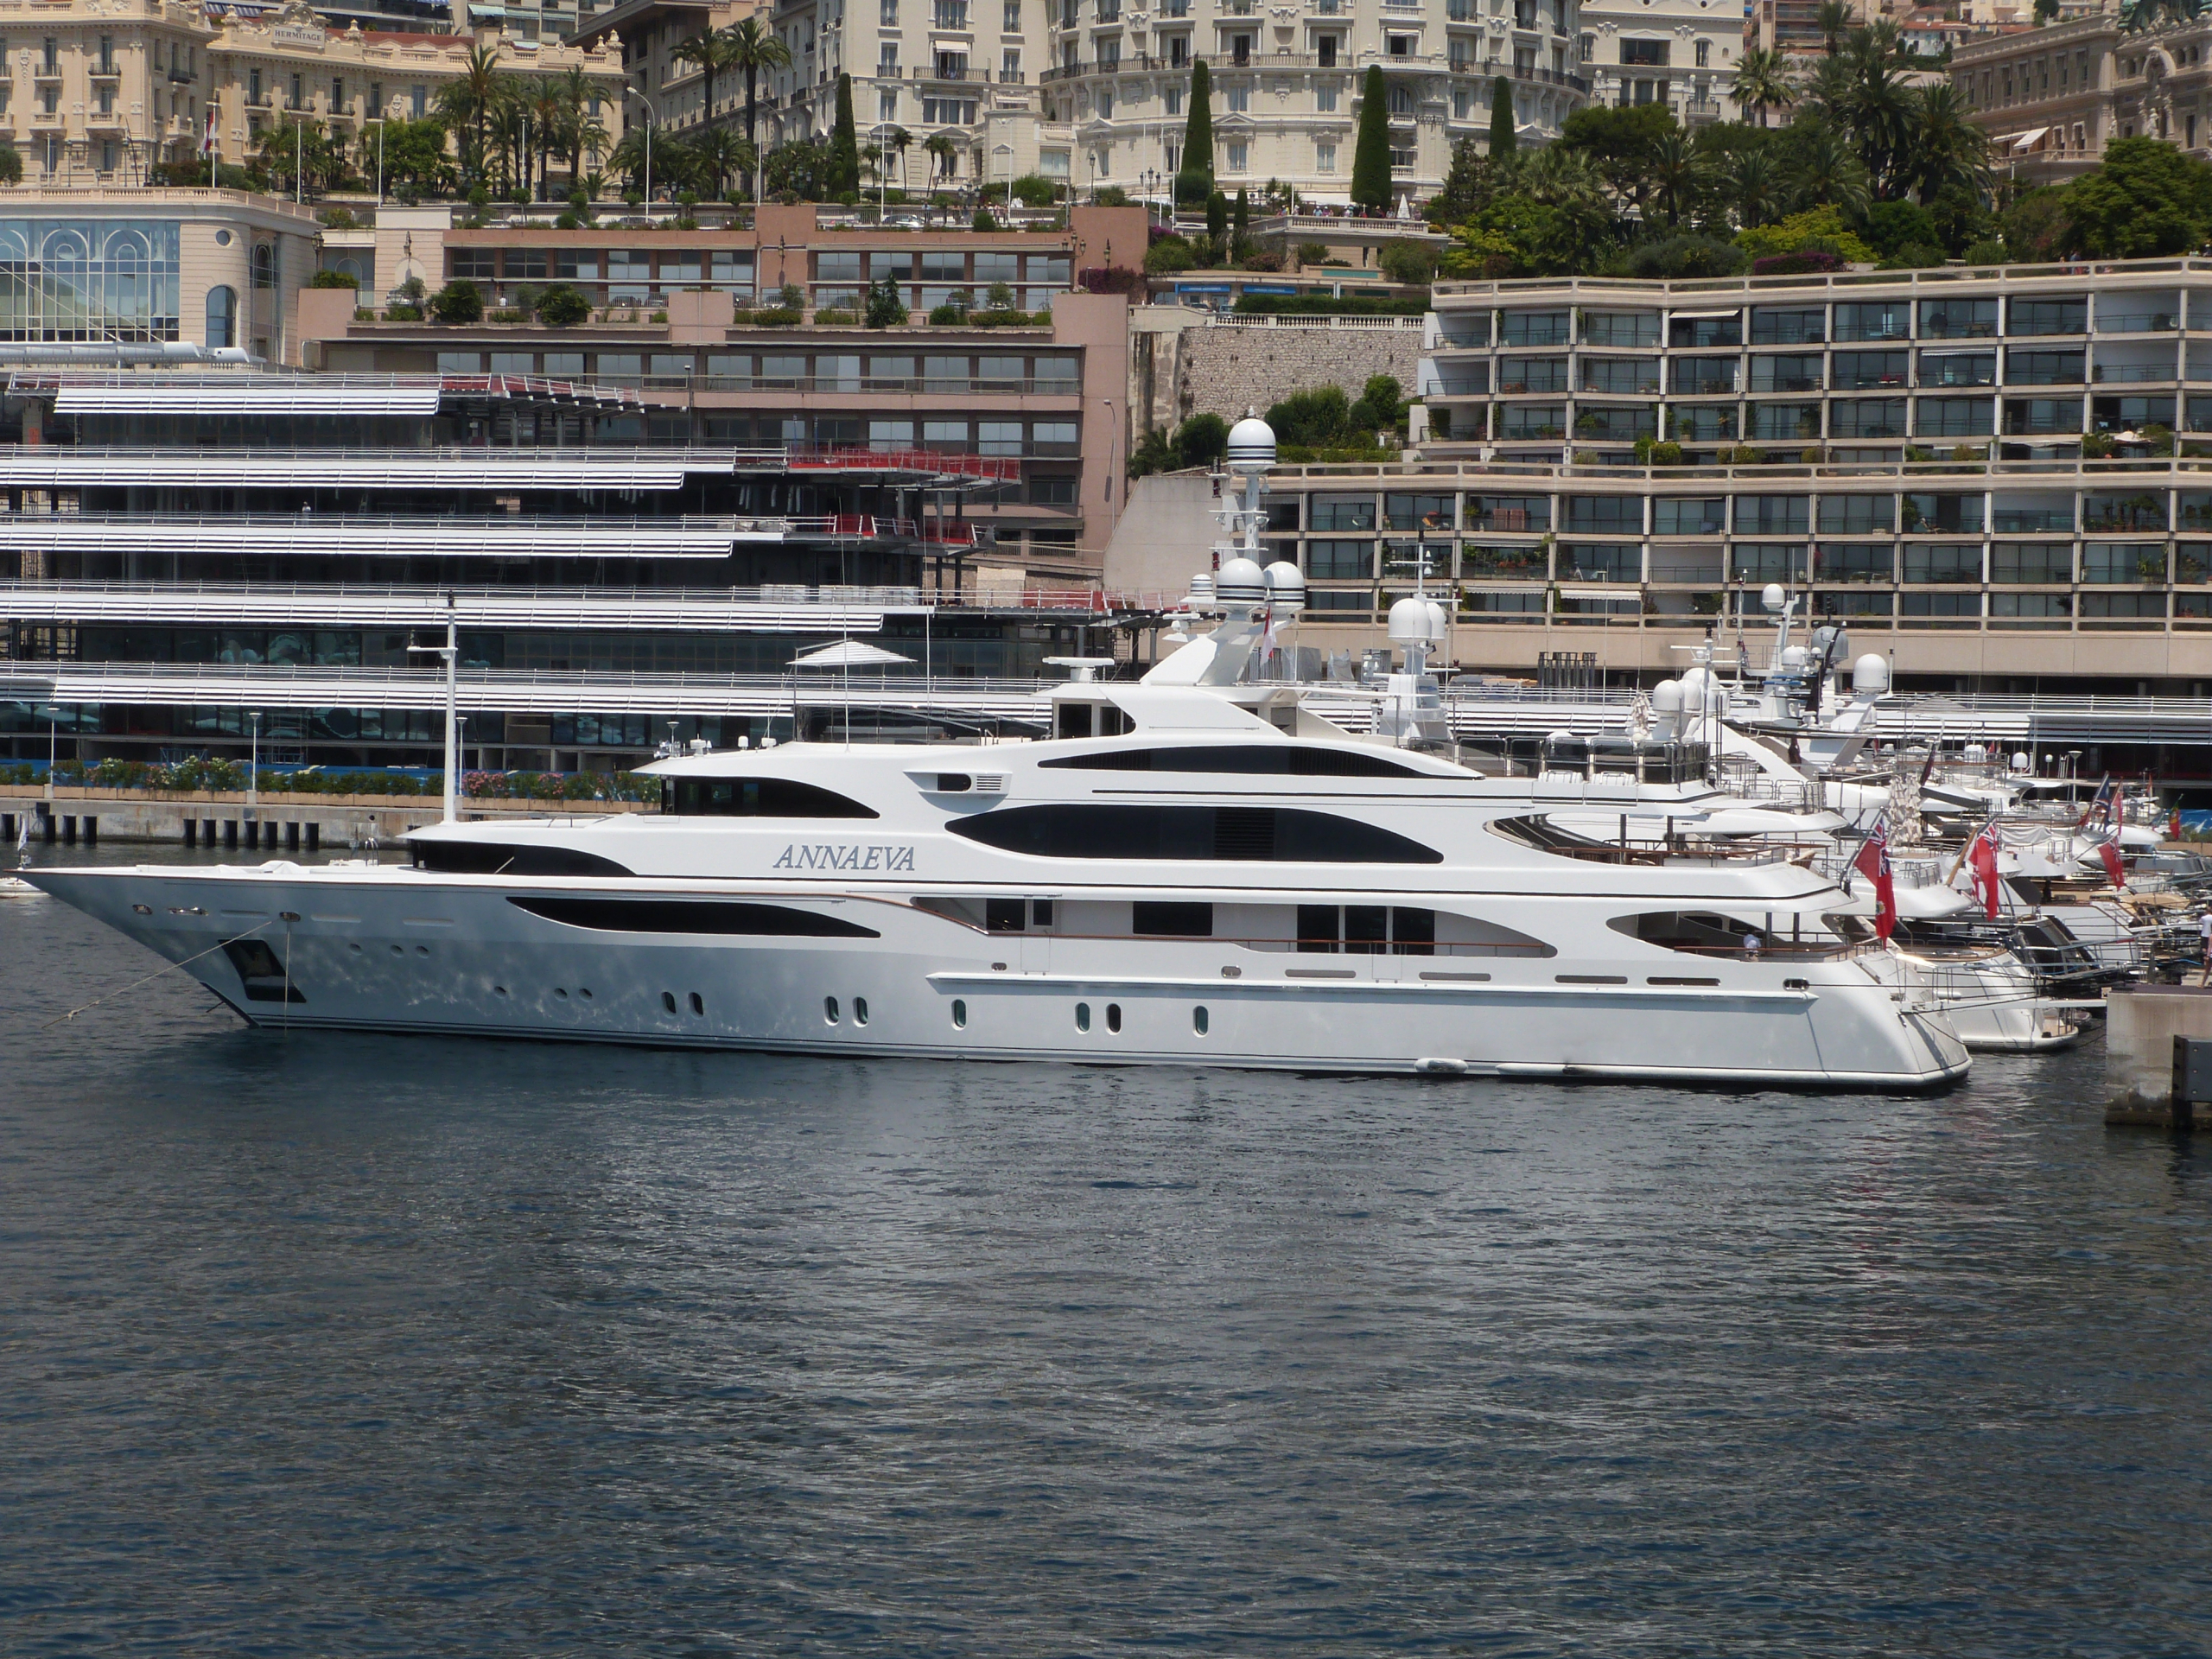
(1416, 622)
(1252, 444)
(1794, 656)
(1871, 673)
(1774, 597)
(1667, 697)
(1285, 585)
(1240, 581)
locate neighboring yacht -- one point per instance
(1189, 870)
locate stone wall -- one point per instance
(1179, 368)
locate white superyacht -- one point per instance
(1179, 874)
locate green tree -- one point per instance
(2036, 226)
(11, 164)
(1621, 145)
(563, 307)
(798, 168)
(884, 310)
(415, 155)
(710, 51)
(1501, 139)
(458, 302)
(467, 103)
(944, 153)
(1370, 156)
(845, 144)
(1202, 440)
(1240, 220)
(2145, 200)
(753, 48)
(1381, 405)
(1194, 178)
(1315, 418)
(1892, 227)
(1762, 82)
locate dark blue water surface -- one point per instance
(325, 1345)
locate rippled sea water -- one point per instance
(320, 1346)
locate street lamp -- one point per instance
(451, 651)
(631, 92)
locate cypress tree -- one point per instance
(845, 144)
(1370, 162)
(1194, 178)
(1502, 141)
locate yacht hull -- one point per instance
(391, 951)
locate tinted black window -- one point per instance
(493, 858)
(758, 798)
(692, 916)
(1003, 915)
(1282, 759)
(1174, 919)
(1281, 834)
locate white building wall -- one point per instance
(1684, 55)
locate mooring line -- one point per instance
(136, 983)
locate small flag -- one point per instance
(2110, 853)
(207, 139)
(1873, 862)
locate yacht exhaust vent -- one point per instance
(991, 783)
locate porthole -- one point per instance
(1114, 1017)
(421, 949)
(1082, 1016)
(829, 1009)
(668, 1001)
(698, 1005)
(558, 992)
(859, 1010)
(1199, 1021)
(585, 992)
(399, 949)
(959, 1015)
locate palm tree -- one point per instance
(468, 103)
(549, 124)
(900, 139)
(1832, 19)
(753, 48)
(946, 152)
(1762, 82)
(1677, 174)
(722, 154)
(712, 51)
(1828, 172)
(581, 129)
(1949, 148)
(1752, 188)
(1876, 106)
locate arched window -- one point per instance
(264, 265)
(222, 317)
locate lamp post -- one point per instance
(451, 651)
(631, 92)
(253, 772)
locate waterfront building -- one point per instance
(97, 93)
(2050, 99)
(1969, 468)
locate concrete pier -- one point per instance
(2140, 1025)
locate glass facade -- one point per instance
(88, 280)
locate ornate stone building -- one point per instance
(2052, 99)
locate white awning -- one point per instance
(958, 48)
(1476, 585)
(1705, 316)
(848, 653)
(2028, 138)
(243, 396)
(1626, 590)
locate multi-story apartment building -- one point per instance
(1679, 53)
(1921, 473)
(96, 92)
(1088, 93)
(646, 34)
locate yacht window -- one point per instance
(1072, 719)
(498, 858)
(1277, 760)
(1172, 919)
(1271, 834)
(1040, 912)
(1113, 1017)
(756, 797)
(692, 916)
(1366, 930)
(1003, 915)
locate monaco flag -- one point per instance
(1981, 861)
(1873, 862)
(207, 138)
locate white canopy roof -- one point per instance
(848, 653)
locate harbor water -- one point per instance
(335, 1346)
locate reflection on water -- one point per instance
(326, 1345)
